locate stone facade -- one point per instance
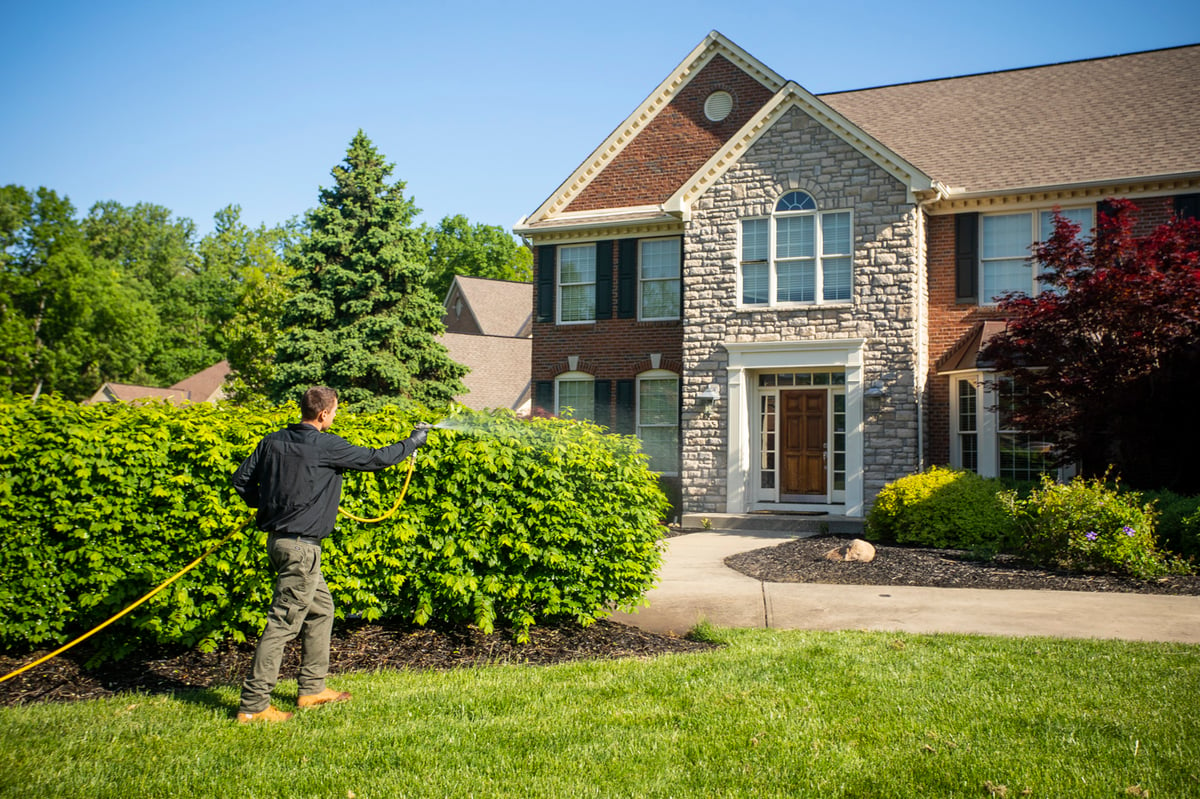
(886, 310)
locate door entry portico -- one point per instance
(804, 451)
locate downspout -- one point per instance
(939, 193)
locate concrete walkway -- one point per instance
(695, 584)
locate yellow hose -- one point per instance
(411, 466)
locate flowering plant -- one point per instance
(1092, 525)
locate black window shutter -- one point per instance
(546, 267)
(626, 406)
(627, 279)
(966, 258)
(543, 397)
(602, 402)
(1187, 206)
(604, 279)
(1104, 207)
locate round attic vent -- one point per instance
(718, 105)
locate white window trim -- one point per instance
(818, 261)
(573, 377)
(642, 280)
(987, 425)
(558, 284)
(658, 374)
(1035, 270)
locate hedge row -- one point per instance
(509, 521)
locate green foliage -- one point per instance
(67, 322)
(1090, 524)
(944, 508)
(516, 522)
(362, 318)
(1178, 522)
(456, 247)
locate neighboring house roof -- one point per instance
(204, 386)
(1105, 119)
(207, 385)
(500, 369)
(497, 307)
(1094, 122)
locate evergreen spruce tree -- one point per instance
(361, 318)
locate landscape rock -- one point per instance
(861, 551)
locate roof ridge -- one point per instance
(1029, 68)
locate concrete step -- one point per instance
(801, 525)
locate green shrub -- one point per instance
(517, 522)
(944, 508)
(1088, 524)
(1178, 522)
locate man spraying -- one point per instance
(294, 479)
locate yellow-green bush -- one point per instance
(944, 508)
(515, 522)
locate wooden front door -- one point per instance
(803, 446)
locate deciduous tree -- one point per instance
(1110, 348)
(456, 247)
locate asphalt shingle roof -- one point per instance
(1080, 122)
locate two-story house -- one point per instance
(783, 294)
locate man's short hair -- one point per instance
(315, 400)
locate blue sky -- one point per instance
(484, 107)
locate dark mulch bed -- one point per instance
(804, 561)
(362, 647)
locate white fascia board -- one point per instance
(794, 95)
(1018, 198)
(713, 44)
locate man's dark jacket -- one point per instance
(294, 476)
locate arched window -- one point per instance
(799, 254)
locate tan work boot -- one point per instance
(270, 714)
(328, 695)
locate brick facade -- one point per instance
(607, 349)
(676, 143)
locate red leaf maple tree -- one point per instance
(1109, 349)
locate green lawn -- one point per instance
(791, 714)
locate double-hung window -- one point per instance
(659, 262)
(800, 254)
(576, 283)
(658, 419)
(575, 396)
(1006, 262)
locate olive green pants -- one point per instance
(301, 606)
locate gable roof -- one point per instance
(792, 95)
(1106, 119)
(1096, 123)
(499, 307)
(715, 50)
(206, 385)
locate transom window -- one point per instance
(1006, 262)
(659, 278)
(799, 254)
(577, 283)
